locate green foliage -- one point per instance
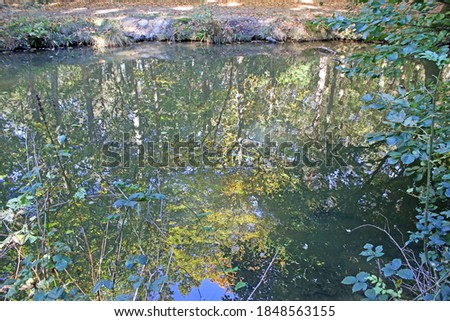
(40, 33)
(109, 34)
(417, 134)
(240, 285)
(371, 253)
(206, 27)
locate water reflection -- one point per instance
(173, 232)
(207, 291)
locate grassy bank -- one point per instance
(48, 32)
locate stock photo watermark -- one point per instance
(190, 152)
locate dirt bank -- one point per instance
(51, 27)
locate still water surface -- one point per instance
(270, 117)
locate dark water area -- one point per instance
(213, 162)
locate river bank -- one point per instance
(114, 26)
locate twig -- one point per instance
(19, 252)
(103, 249)
(137, 289)
(167, 270)
(327, 50)
(429, 169)
(74, 282)
(264, 275)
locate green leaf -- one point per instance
(371, 294)
(158, 196)
(97, 286)
(136, 196)
(137, 284)
(405, 274)
(240, 285)
(392, 57)
(156, 285)
(409, 49)
(124, 297)
(388, 270)
(368, 246)
(62, 139)
(366, 98)
(358, 286)
(411, 121)
(348, 280)
(80, 194)
(133, 278)
(61, 261)
(231, 270)
(379, 250)
(393, 140)
(56, 293)
(106, 283)
(396, 264)
(141, 259)
(39, 296)
(129, 263)
(362, 276)
(64, 153)
(204, 214)
(396, 117)
(408, 159)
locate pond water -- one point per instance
(198, 172)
